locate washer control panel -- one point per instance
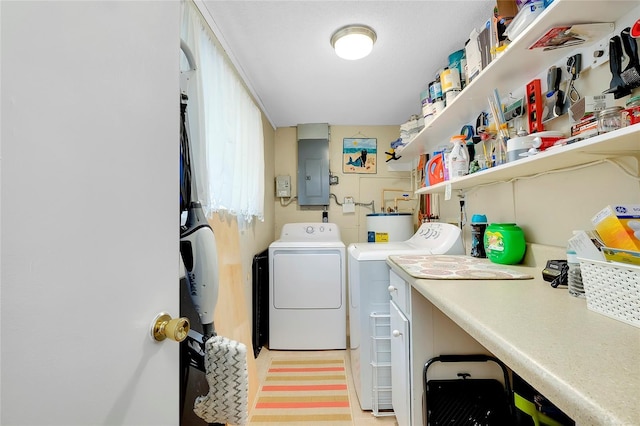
(437, 235)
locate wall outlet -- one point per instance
(348, 200)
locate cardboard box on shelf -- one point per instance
(503, 14)
(507, 8)
(619, 226)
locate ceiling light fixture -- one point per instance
(353, 41)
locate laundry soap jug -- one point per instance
(458, 158)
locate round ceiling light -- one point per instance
(353, 41)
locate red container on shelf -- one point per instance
(633, 110)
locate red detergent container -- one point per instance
(633, 110)
(435, 169)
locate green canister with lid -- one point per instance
(504, 243)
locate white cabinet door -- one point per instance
(400, 373)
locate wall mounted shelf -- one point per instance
(514, 68)
(619, 143)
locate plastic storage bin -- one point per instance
(612, 289)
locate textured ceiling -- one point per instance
(282, 49)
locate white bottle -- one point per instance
(458, 159)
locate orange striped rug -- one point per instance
(304, 391)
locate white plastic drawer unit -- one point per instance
(400, 292)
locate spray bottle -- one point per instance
(458, 163)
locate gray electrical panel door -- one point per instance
(313, 172)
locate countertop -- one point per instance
(584, 362)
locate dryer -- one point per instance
(307, 288)
(369, 299)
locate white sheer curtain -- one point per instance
(225, 126)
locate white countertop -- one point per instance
(585, 363)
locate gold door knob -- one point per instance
(163, 327)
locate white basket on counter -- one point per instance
(612, 289)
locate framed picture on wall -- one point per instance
(359, 155)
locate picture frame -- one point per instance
(360, 155)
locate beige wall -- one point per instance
(364, 188)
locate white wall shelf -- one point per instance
(619, 143)
(514, 68)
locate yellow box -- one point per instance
(619, 226)
(622, 256)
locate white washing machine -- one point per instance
(369, 329)
(307, 288)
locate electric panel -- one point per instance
(313, 172)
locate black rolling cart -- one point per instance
(465, 401)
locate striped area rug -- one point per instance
(305, 391)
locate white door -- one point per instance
(89, 211)
(400, 373)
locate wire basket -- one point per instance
(612, 289)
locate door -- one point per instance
(89, 211)
(400, 373)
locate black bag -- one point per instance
(466, 401)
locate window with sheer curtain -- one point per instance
(225, 127)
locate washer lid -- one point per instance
(380, 251)
(431, 238)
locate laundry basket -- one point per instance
(466, 401)
(612, 289)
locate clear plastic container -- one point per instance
(574, 276)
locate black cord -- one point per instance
(562, 278)
(185, 157)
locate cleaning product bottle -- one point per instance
(478, 227)
(458, 158)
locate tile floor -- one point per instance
(360, 418)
